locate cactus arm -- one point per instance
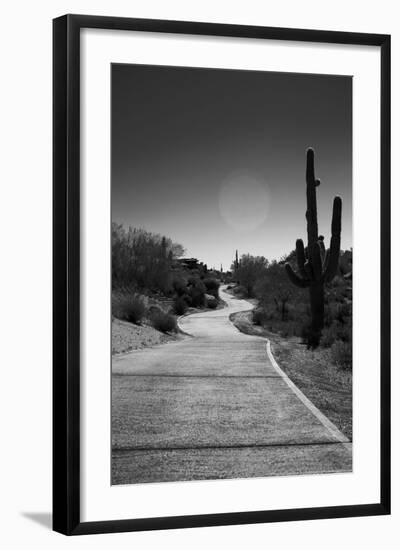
(296, 280)
(334, 250)
(310, 173)
(331, 268)
(301, 258)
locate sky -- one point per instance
(215, 159)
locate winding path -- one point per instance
(215, 405)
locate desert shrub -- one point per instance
(336, 331)
(212, 286)
(152, 310)
(289, 329)
(142, 258)
(269, 316)
(274, 288)
(341, 353)
(249, 271)
(197, 296)
(179, 286)
(240, 290)
(129, 307)
(187, 299)
(212, 303)
(161, 280)
(344, 312)
(330, 334)
(337, 310)
(259, 317)
(180, 305)
(197, 292)
(164, 322)
(330, 313)
(346, 333)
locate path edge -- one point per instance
(333, 430)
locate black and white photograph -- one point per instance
(197, 316)
(231, 258)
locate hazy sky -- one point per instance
(215, 159)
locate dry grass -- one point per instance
(128, 307)
(313, 372)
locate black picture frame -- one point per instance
(66, 273)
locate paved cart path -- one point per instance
(215, 405)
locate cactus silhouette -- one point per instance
(316, 266)
(236, 260)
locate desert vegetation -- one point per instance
(152, 284)
(307, 293)
(284, 309)
(142, 260)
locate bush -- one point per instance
(212, 303)
(250, 270)
(329, 335)
(142, 258)
(239, 291)
(259, 317)
(197, 297)
(152, 310)
(164, 322)
(336, 331)
(337, 311)
(288, 330)
(129, 308)
(341, 353)
(197, 292)
(180, 305)
(344, 313)
(187, 299)
(212, 286)
(179, 286)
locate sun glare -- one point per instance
(244, 202)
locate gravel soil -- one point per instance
(128, 337)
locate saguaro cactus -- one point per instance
(236, 260)
(316, 266)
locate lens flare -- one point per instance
(244, 202)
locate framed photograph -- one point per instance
(221, 274)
